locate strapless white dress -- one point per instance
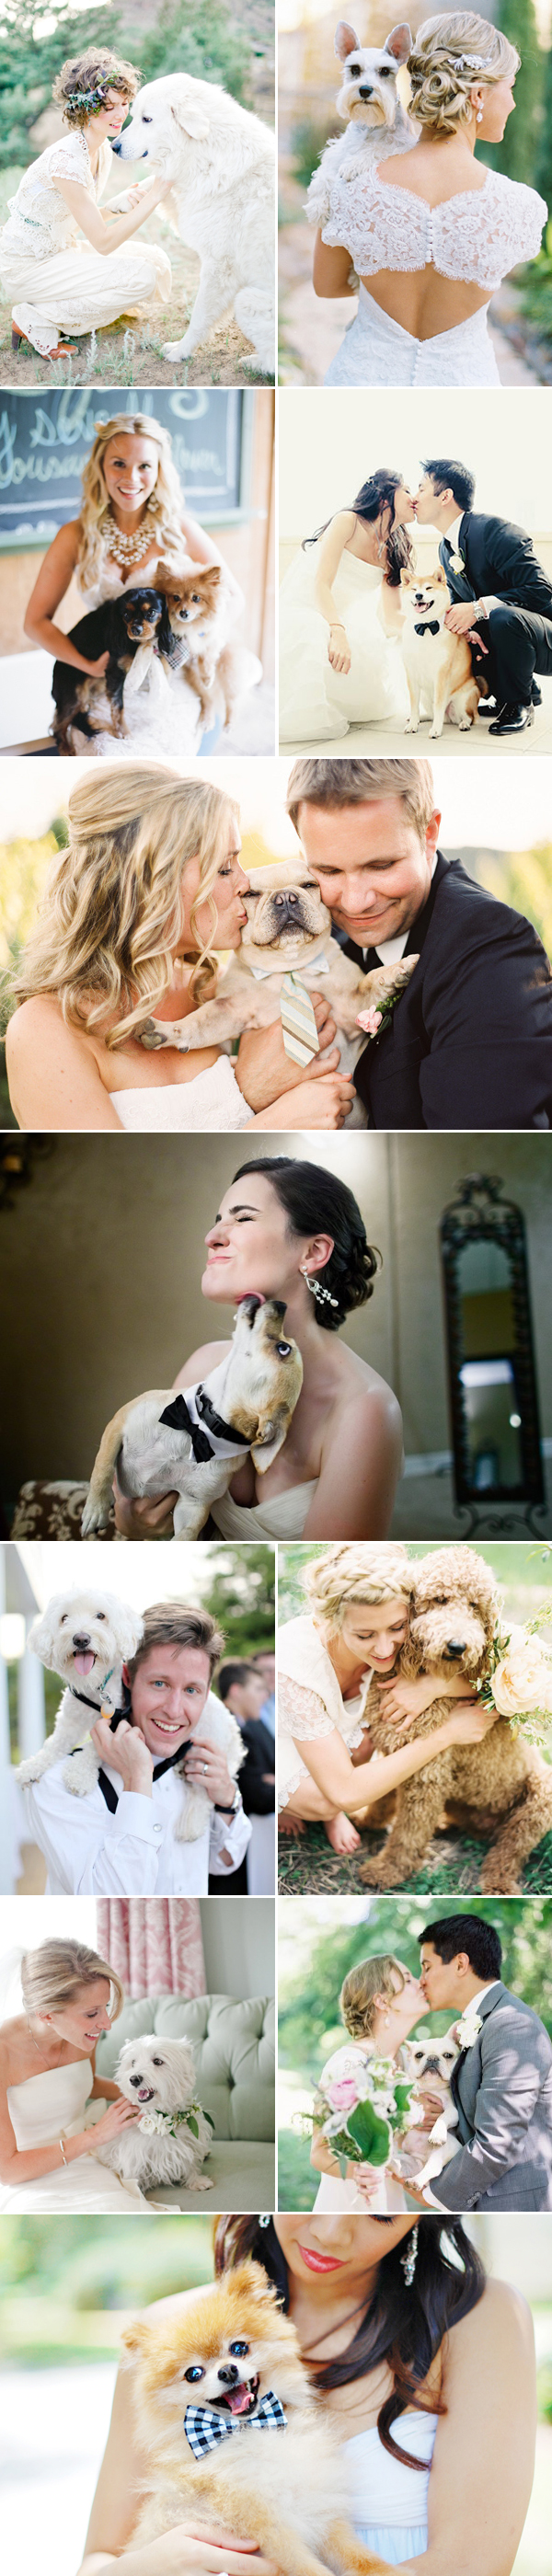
(316, 703)
(388, 2503)
(281, 1516)
(50, 2104)
(162, 713)
(211, 1104)
(332, 2192)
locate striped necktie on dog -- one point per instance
(299, 1028)
(204, 2427)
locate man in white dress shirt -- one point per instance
(121, 1841)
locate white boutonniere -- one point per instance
(457, 563)
(467, 2029)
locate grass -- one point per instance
(124, 353)
(309, 1867)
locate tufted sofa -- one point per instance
(234, 2049)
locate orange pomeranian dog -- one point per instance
(201, 611)
(234, 2436)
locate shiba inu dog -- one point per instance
(438, 664)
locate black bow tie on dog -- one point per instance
(180, 1419)
(431, 627)
(204, 2427)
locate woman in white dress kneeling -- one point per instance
(66, 267)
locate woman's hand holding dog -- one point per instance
(125, 1752)
(264, 1071)
(472, 1723)
(185, 2552)
(140, 1518)
(409, 1699)
(120, 2115)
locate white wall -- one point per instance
(238, 1943)
(328, 449)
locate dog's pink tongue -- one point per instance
(83, 1665)
(238, 2400)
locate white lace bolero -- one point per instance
(309, 1700)
(39, 222)
(479, 235)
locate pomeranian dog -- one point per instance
(171, 2139)
(201, 610)
(438, 664)
(232, 2434)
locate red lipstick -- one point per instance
(319, 2262)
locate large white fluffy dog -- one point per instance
(171, 2140)
(87, 1639)
(192, 1444)
(221, 163)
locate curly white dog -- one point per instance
(87, 1638)
(173, 2136)
(221, 163)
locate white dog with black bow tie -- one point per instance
(86, 1638)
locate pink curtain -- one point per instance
(154, 1943)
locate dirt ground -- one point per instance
(129, 353)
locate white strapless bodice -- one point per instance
(389, 2502)
(212, 1103)
(53, 2104)
(280, 1516)
(109, 582)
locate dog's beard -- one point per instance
(367, 111)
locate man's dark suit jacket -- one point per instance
(500, 560)
(470, 1040)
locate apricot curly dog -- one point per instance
(501, 1788)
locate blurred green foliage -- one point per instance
(57, 2282)
(517, 153)
(208, 45)
(308, 2004)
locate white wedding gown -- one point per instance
(51, 2103)
(478, 236)
(388, 2502)
(52, 277)
(318, 704)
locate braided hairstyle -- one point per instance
(314, 1201)
(374, 496)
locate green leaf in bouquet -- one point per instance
(343, 2168)
(403, 2095)
(371, 2134)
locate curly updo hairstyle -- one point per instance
(86, 80)
(450, 55)
(356, 1570)
(314, 1202)
(375, 499)
(372, 1982)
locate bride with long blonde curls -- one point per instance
(133, 913)
(63, 283)
(133, 513)
(429, 230)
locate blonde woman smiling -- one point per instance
(133, 512)
(327, 1658)
(430, 231)
(59, 281)
(132, 913)
(48, 2081)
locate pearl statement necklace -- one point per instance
(127, 550)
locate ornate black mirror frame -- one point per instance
(479, 1213)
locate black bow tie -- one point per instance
(429, 628)
(180, 1419)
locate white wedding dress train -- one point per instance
(318, 704)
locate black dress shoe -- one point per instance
(512, 720)
(536, 695)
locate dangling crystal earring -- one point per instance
(315, 1288)
(265, 2219)
(409, 2259)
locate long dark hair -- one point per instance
(376, 495)
(314, 1200)
(403, 2327)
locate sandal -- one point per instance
(19, 341)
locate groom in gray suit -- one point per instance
(502, 2081)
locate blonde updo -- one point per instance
(55, 1973)
(450, 55)
(371, 1979)
(355, 1571)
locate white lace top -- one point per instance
(479, 235)
(39, 222)
(310, 1701)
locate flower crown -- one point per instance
(89, 97)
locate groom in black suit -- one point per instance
(469, 1042)
(501, 597)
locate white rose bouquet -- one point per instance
(519, 1685)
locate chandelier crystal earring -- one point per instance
(408, 2259)
(265, 2218)
(323, 1295)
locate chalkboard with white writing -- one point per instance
(46, 436)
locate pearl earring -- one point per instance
(479, 117)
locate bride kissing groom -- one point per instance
(340, 608)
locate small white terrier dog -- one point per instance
(87, 1638)
(160, 2076)
(371, 108)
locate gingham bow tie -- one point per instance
(298, 1022)
(204, 2427)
